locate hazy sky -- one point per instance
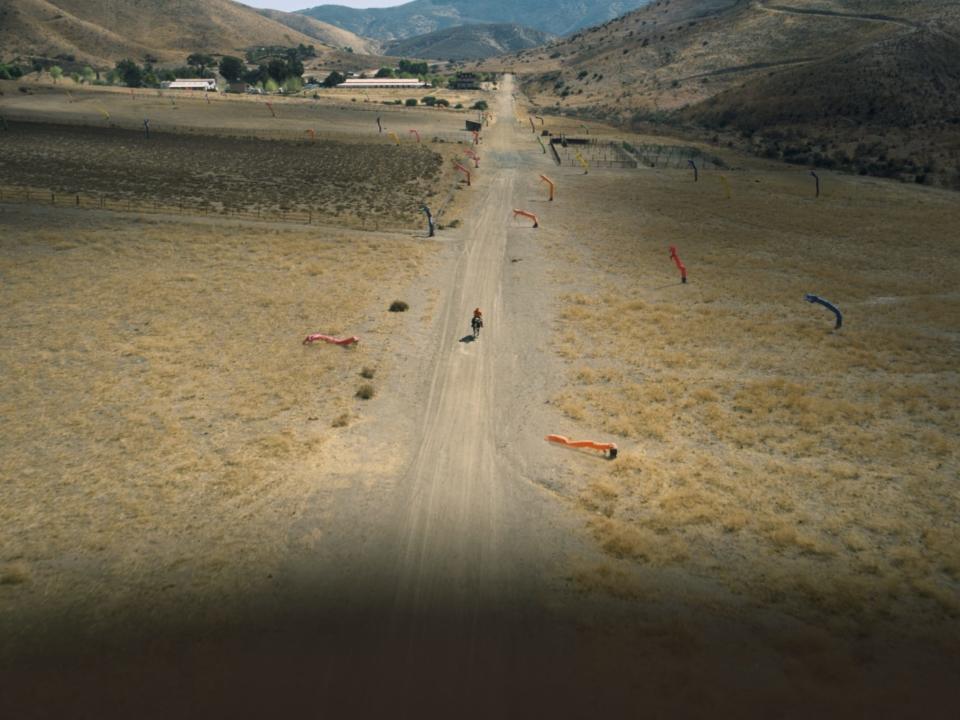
(291, 5)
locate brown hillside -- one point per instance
(890, 109)
(824, 72)
(323, 32)
(100, 32)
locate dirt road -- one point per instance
(438, 569)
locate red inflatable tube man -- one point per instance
(680, 266)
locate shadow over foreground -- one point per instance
(360, 656)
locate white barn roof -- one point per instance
(199, 84)
(383, 83)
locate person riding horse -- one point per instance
(477, 322)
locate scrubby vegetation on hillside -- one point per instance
(871, 88)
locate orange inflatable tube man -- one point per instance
(589, 444)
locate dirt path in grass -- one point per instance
(461, 538)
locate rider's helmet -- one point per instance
(477, 313)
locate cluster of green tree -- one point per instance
(334, 79)
(405, 69)
(10, 72)
(428, 100)
(413, 68)
(131, 74)
(256, 56)
(283, 69)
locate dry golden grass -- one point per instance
(161, 416)
(799, 465)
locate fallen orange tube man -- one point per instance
(330, 339)
(536, 220)
(603, 447)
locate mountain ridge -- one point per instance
(323, 32)
(420, 17)
(468, 42)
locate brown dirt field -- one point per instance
(336, 114)
(362, 180)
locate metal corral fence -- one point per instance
(192, 207)
(603, 153)
(672, 156)
(598, 153)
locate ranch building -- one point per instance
(394, 83)
(190, 84)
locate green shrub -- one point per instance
(399, 306)
(365, 392)
(411, 102)
(368, 373)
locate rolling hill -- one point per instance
(425, 16)
(468, 42)
(100, 32)
(872, 87)
(324, 32)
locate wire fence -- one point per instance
(196, 208)
(672, 156)
(597, 153)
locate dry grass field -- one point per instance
(162, 424)
(807, 469)
(781, 524)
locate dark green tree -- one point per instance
(334, 79)
(413, 68)
(257, 75)
(231, 68)
(200, 61)
(277, 69)
(130, 73)
(384, 72)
